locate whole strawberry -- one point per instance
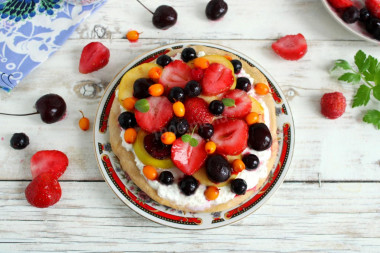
(333, 105)
(94, 57)
(43, 191)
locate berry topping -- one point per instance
(238, 186)
(129, 103)
(237, 66)
(252, 118)
(163, 60)
(201, 63)
(364, 15)
(210, 147)
(216, 79)
(150, 172)
(53, 162)
(243, 83)
(84, 123)
(197, 111)
(230, 135)
(189, 158)
(333, 105)
(206, 131)
(260, 137)
(216, 107)
(155, 73)
(43, 191)
(374, 7)
(133, 36)
(188, 54)
(251, 161)
(211, 192)
(261, 88)
(51, 108)
(193, 89)
(158, 115)
(94, 57)
(130, 135)
(175, 74)
(166, 178)
(176, 94)
(372, 25)
(141, 87)
(179, 126)
(164, 17)
(340, 4)
(127, 120)
(179, 109)
(351, 15)
(217, 168)
(156, 90)
(168, 138)
(238, 165)
(154, 146)
(196, 74)
(291, 47)
(188, 185)
(19, 141)
(216, 9)
(242, 106)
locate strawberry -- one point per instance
(242, 107)
(197, 111)
(187, 158)
(230, 136)
(175, 74)
(374, 7)
(51, 161)
(333, 105)
(216, 79)
(197, 74)
(159, 113)
(340, 4)
(94, 57)
(43, 191)
(291, 47)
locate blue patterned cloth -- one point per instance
(31, 31)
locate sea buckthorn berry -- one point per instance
(129, 103)
(238, 165)
(84, 123)
(155, 73)
(261, 88)
(179, 109)
(201, 63)
(210, 147)
(168, 138)
(150, 172)
(228, 57)
(156, 90)
(130, 135)
(252, 118)
(211, 193)
(133, 36)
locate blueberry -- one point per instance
(238, 186)
(166, 177)
(259, 137)
(163, 60)
(127, 120)
(179, 126)
(372, 25)
(351, 15)
(251, 161)
(216, 107)
(364, 15)
(216, 9)
(188, 185)
(206, 131)
(237, 66)
(176, 94)
(188, 54)
(243, 83)
(141, 87)
(218, 168)
(193, 89)
(19, 141)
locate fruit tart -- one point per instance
(195, 129)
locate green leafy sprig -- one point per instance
(190, 139)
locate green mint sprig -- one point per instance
(190, 139)
(367, 74)
(142, 105)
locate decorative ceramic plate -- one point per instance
(138, 201)
(356, 28)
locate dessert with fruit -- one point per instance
(195, 128)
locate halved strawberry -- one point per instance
(94, 57)
(230, 136)
(176, 74)
(159, 114)
(243, 104)
(340, 4)
(216, 79)
(373, 7)
(197, 111)
(291, 47)
(51, 161)
(187, 158)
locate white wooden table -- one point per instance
(330, 201)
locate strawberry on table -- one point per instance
(242, 104)
(94, 57)
(341, 4)
(291, 47)
(217, 79)
(374, 7)
(51, 161)
(43, 191)
(175, 74)
(197, 111)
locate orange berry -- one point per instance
(155, 73)
(201, 63)
(261, 88)
(129, 103)
(84, 123)
(156, 90)
(133, 36)
(211, 192)
(150, 172)
(168, 138)
(228, 57)
(130, 135)
(238, 165)
(210, 147)
(252, 118)
(179, 109)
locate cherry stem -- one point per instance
(26, 114)
(144, 6)
(81, 113)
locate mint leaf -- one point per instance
(376, 92)
(341, 64)
(228, 102)
(372, 117)
(362, 96)
(350, 78)
(360, 58)
(193, 142)
(142, 105)
(186, 137)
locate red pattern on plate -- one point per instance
(106, 114)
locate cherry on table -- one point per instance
(216, 9)
(164, 16)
